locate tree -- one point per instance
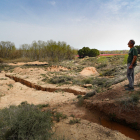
(6, 49)
(86, 51)
(93, 53)
(138, 48)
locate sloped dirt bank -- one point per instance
(37, 87)
(116, 108)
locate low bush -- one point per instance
(135, 98)
(102, 82)
(58, 116)
(43, 105)
(79, 96)
(74, 121)
(125, 59)
(86, 51)
(102, 60)
(101, 66)
(25, 122)
(80, 101)
(61, 79)
(87, 81)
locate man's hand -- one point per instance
(133, 61)
(130, 67)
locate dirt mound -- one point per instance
(89, 71)
(56, 68)
(18, 70)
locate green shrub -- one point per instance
(10, 85)
(3, 78)
(74, 121)
(83, 52)
(86, 51)
(72, 115)
(125, 59)
(138, 48)
(102, 59)
(87, 81)
(79, 96)
(80, 101)
(43, 105)
(25, 122)
(61, 79)
(102, 82)
(101, 66)
(135, 98)
(58, 116)
(93, 53)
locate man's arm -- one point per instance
(133, 61)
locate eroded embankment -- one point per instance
(123, 113)
(37, 87)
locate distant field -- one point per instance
(106, 54)
(110, 54)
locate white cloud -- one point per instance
(52, 3)
(102, 36)
(77, 19)
(108, 29)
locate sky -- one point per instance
(99, 24)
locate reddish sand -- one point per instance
(110, 54)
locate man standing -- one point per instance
(131, 63)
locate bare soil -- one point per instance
(91, 113)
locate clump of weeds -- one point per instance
(58, 116)
(73, 121)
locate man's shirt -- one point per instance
(133, 51)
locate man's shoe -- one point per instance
(130, 88)
(126, 85)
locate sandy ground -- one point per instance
(23, 63)
(19, 93)
(13, 93)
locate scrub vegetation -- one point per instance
(27, 122)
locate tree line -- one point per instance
(114, 52)
(50, 50)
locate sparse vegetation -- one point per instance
(10, 85)
(25, 122)
(112, 70)
(43, 105)
(79, 96)
(28, 122)
(73, 121)
(60, 79)
(58, 116)
(80, 101)
(133, 99)
(3, 78)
